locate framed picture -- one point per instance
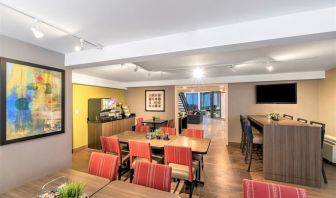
(32, 101)
(155, 100)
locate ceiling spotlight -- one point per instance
(80, 47)
(136, 68)
(198, 73)
(269, 67)
(36, 30)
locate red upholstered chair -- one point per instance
(180, 159)
(142, 129)
(170, 123)
(103, 165)
(139, 121)
(111, 145)
(156, 176)
(170, 131)
(195, 133)
(268, 190)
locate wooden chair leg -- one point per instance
(251, 147)
(324, 174)
(202, 163)
(246, 152)
(119, 172)
(191, 188)
(131, 175)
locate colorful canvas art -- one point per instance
(155, 100)
(33, 102)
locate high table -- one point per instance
(291, 150)
(119, 189)
(155, 122)
(32, 189)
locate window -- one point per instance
(192, 100)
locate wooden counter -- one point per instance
(97, 129)
(291, 150)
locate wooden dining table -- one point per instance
(92, 184)
(198, 146)
(119, 189)
(154, 122)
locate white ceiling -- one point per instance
(296, 57)
(112, 22)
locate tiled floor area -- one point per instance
(224, 167)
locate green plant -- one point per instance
(158, 132)
(273, 115)
(72, 189)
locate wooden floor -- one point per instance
(224, 167)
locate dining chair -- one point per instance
(103, 165)
(140, 151)
(180, 160)
(170, 131)
(196, 133)
(111, 145)
(302, 120)
(288, 116)
(252, 188)
(322, 125)
(142, 129)
(170, 123)
(252, 139)
(243, 137)
(157, 176)
(139, 121)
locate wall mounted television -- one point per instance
(276, 93)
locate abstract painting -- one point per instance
(33, 99)
(155, 100)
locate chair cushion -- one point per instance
(197, 157)
(181, 171)
(142, 160)
(125, 157)
(258, 138)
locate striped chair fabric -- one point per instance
(139, 151)
(156, 176)
(111, 145)
(170, 131)
(139, 121)
(195, 133)
(142, 129)
(170, 123)
(268, 190)
(103, 165)
(180, 156)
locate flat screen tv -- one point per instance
(276, 94)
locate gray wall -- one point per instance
(29, 160)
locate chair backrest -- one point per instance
(269, 190)
(139, 121)
(104, 165)
(248, 131)
(139, 149)
(171, 123)
(242, 118)
(156, 176)
(288, 116)
(111, 144)
(196, 133)
(170, 131)
(179, 155)
(302, 120)
(142, 129)
(322, 125)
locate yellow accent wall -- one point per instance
(81, 94)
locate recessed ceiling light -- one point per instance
(269, 68)
(198, 73)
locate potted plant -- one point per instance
(158, 133)
(71, 190)
(274, 116)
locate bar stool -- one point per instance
(302, 120)
(288, 116)
(322, 125)
(243, 138)
(251, 139)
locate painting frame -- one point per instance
(3, 103)
(147, 103)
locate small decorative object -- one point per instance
(153, 118)
(72, 189)
(158, 133)
(62, 188)
(155, 100)
(166, 136)
(273, 116)
(150, 136)
(32, 101)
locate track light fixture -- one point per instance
(36, 30)
(80, 47)
(136, 68)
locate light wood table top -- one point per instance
(197, 145)
(262, 120)
(32, 189)
(119, 189)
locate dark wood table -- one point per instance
(119, 189)
(92, 184)
(154, 122)
(291, 150)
